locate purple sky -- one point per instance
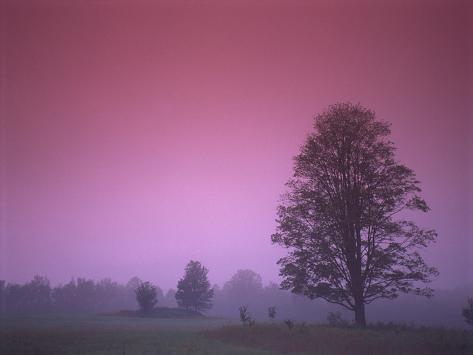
(137, 136)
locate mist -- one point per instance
(245, 287)
(138, 137)
(134, 142)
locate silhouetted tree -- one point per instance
(109, 295)
(244, 282)
(134, 283)
(146, 297)
(16, 298)
(193, 290)
(85, 295)
(289, 323)
(245, 287)
(64, 297)
(245, 316)
(272, 312)
(131, 286)
(37, 295)
(468, 311)
(3, 296)
(338, 217)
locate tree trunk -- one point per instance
(360, 319)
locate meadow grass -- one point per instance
(93, 334)
(326, 340)
(89, 334)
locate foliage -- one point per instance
(108, 297)
(338, 218)
(134, 283)
(244, 282)
(87, 296)
(272, 312)
(467, 312)
(146, 297)
(244, 287)
(289, 323)
(193, 290)
(245, 317)
(31, 297)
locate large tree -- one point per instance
(346, 215)
(244, 282)
(244, 288)
(193, 290)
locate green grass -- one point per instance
(325, 340)
(80, 334)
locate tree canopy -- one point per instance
(467, 312)
(146, 296)
(193, 290)
(345, 219)
(244, 282)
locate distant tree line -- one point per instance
(194, 293)
(245, 288)
(79, 295)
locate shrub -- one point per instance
(272, 312)
(289, 323)
(468, 311)
(146, 297)
(245, 317)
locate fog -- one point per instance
(138, 137)
(85, 296)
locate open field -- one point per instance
(81, 334)
(325, 340)
(88, 334)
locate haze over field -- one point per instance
(136, 137)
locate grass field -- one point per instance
(325, 340)
(80, 334)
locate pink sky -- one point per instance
(137, 136)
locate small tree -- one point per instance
(245, 317)
(272, 312)
(289, 323)
(468, 311)
(193, 290)
(146, 297)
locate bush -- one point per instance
(245, 317)
(289, 323)
(146, 297)
(468, 311)
(272, 312)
